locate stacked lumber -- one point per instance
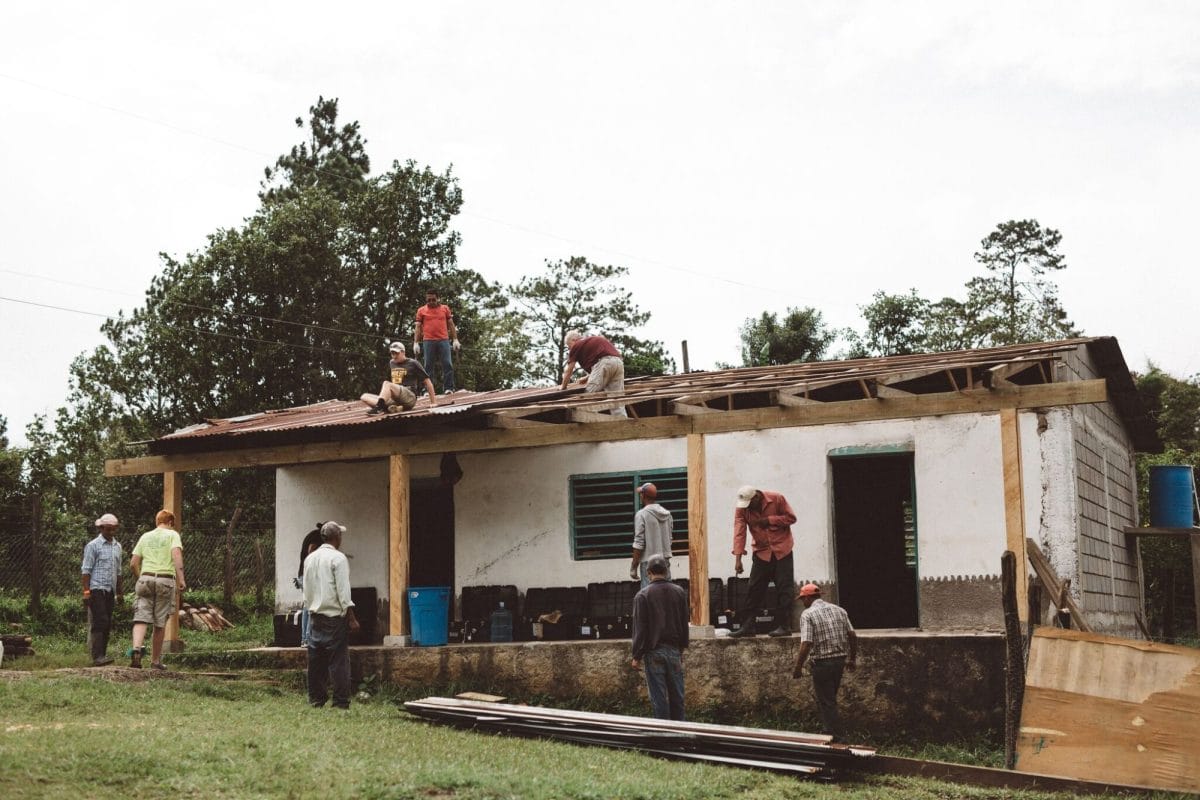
(802, 754)
(203, 618)
(17, 645)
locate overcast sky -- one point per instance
(737, 157)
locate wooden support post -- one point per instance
(1014, 501)
(1195, 540)
(1053, 585)
(398, 538)
(229, 590)
(697, 530)
(1014, 647)
(173, 502)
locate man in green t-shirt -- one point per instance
(158, 565)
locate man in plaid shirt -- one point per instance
(828, 637)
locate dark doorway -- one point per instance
(431, 535)
(875, 538)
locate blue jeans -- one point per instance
(437, 351)
(664, 679)
(329, 658)
(305, 627)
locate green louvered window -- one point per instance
(603, 505)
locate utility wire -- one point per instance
(204, 332)
(197, 307)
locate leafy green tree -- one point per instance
(896, 325)
(1018, 301)
(333, 158)
(577, 294)
(801, 335)
(292, 307)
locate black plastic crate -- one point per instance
(612, 627)
(478, 602)
(611, 599)
(572, 601)
(287, 632)
(566, 629)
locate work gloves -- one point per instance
(634, 575)
(416, 348)
(454, 344)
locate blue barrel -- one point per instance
(1171, 497)
(429, 612)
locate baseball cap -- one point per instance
(331, 529)
(745, 495)
(107, 519)
(649, 490)
(396, 347)
(658, 564)
(810, 590)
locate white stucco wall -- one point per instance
(959, 486)
(354, 494)
(512, 507)
(512, 514)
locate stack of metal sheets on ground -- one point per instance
(783, 751)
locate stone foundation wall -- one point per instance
(943, 685)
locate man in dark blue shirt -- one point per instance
(660, 635)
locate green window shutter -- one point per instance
(603, 506)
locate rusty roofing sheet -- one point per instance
(793, 377)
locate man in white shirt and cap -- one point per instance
(331, 619)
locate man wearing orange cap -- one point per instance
(769, 519)
(826, 636)
(653, 529)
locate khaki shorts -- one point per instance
(155, 601)
(402, 396)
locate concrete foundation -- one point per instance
(942, 685)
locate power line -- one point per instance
(196, 307)
(205, 332)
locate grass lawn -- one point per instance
(81, 733)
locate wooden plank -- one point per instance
(992, 777)
(499, 421)
(791, 400)
(584, 415)
(685, 409)
(1053, 583)
(697, 501)
(1195, 540)
(399, 474)
(965, 402)
(1014, 502)
(1148, 531)
(882, 390)
(1111, 709)
(173, 502)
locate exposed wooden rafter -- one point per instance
(676, 425)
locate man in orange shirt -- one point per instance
(769, 518)
(436, 332)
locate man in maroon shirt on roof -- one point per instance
(769, 518)
(600, 360)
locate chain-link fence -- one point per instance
(37, 562)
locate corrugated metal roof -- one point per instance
(911, 372)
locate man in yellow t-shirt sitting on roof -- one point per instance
(158, 565)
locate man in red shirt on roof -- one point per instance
(600, 360)
(769, 519)
(435, 330)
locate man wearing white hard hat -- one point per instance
(101, 580)
(769, 519)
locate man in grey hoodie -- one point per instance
(652, 531)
